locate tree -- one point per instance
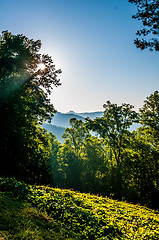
(150, 114)
(148, 13)
(149, 118)
(24, 102)
(76, 134)
(19, 60)
(69, 168)
(139, 169)
(70, 154)
(54, 166)
(114, 128)
(142, 156)
(94, 175)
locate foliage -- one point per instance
(20, 220)
(150, 131)
(24, 103)
(115, 162)
(14, 188)
(113, 127)
(69, 168)
(148, 13)
(85, 216)
(76, 134)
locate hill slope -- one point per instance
(84, 216)
(61, 120)
(20, 220)
(58, 131)
(91, 115)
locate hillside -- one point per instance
(61, 120)
(91, 115)
(56, 130)
(20, 220)
(70, 215)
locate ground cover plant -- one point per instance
(86, 216)
(20, 220)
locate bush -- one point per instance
(14, 188)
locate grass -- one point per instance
(20, 220)
(40, 212)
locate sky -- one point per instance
(92, 42)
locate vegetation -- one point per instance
(148, 13)
(20, 220)
(100, 156)
(113, 161)
(65, 214)
(24, 104)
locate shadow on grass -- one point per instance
(19, 220)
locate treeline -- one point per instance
(100, 156)
(104, 157)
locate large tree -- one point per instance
(114, 128)
(76, 134)
(24, 103)
(150, 121)
(148, 13)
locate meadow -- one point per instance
(53, 213)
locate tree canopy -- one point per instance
(114, 125)
(24, 103)
(148, 13)
(19, 60)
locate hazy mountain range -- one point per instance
(61, 120)
(56, 130)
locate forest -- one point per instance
(100, 156)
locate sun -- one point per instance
(41, 66)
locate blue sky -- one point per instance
(92, 42)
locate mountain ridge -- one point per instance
(61, 120)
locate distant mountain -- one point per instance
(91, 115)
(58, 131)
(62, 119)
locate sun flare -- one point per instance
(41, 66)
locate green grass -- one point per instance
(40, 212)
(20, 220)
